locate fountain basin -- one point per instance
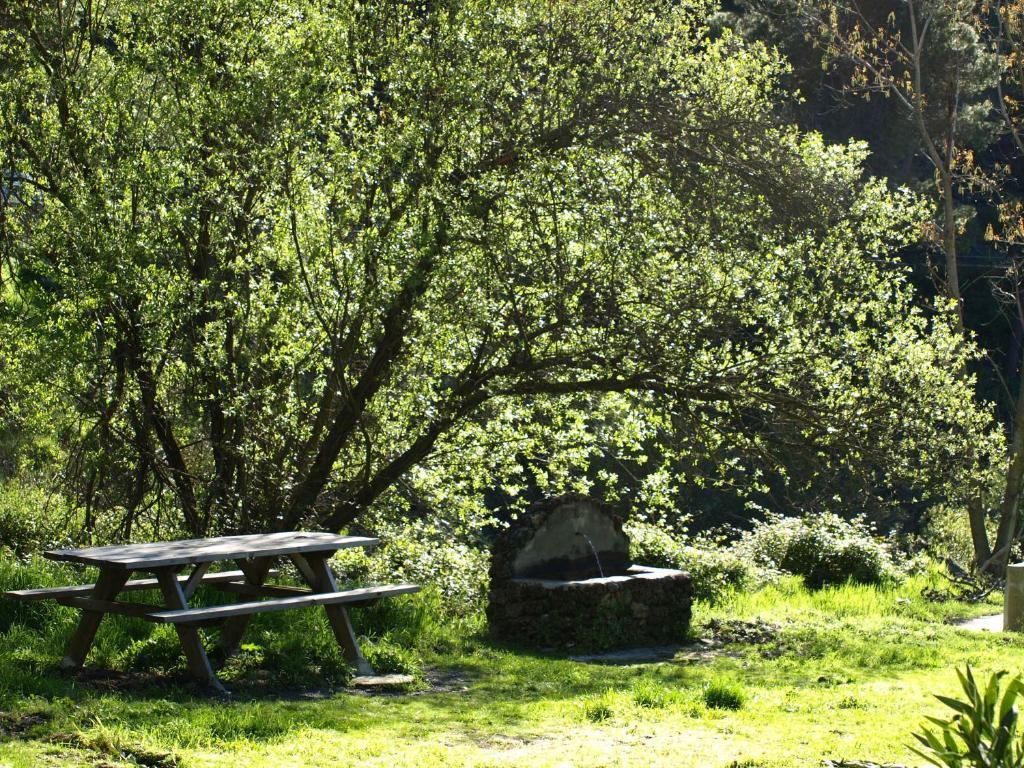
(643, 606)
(561, 578)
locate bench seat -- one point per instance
(85, 590)
(220, 612)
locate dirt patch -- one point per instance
(644, 655)
(13, 726)
(993, 623)
(131, 753)
(115, 682)
(448, 680)
(719, 634)
(756, 632)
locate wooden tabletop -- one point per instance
(192, 551)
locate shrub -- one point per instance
(30, 520)
(947, 533)
(650, 694)
(598, 707)
(652, 545)
(457, 570)
(723, 694)
(715, 568)
(387, 657)
(823, 549)
(983, 731)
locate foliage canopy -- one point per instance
(275, 263)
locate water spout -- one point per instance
(590, 544)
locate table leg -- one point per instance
(315, 570)
(231, 633)
(195, 579)
(108, 585)
(191, 642)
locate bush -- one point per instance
(715, 568)
(652, 545)
(723, 694)
(457, 570)
(598, 707)
(984, 730)
(947, 534)
(30, 520)
(823, 549)
(650, 694)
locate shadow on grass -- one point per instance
(484, 687)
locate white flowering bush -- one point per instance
(715, 568)
(457, 570)
(822, 548)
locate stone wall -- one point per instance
(643, 607)
(548, 591)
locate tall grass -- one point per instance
(291, 648)
(789, 598)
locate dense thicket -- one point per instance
(270, 264)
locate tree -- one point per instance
(930, 56)
(291, 257)
(944, 61)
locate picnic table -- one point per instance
(254, 555)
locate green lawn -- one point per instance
(849, 675)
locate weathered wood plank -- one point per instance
(194, 551)
(265, 590)
(194, 580)
(303, 567)
(84, 590)
(194, 615)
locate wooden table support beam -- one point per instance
(108, 586)
(231, 634)
(195, 579)
(191, 642)
(321, 579)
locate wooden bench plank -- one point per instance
(197, 615)
(84, 590)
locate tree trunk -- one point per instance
(949, 245)
(1007, 532)
(979, 534)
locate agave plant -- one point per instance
(982, 733)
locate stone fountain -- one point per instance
(561, 577)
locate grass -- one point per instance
(850, 674)
(724, 694)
